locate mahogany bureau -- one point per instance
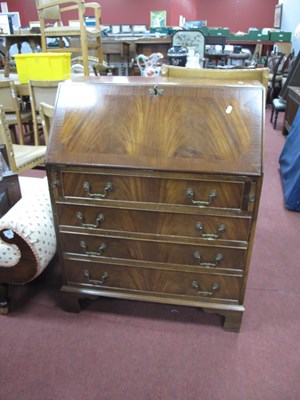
(155, 188)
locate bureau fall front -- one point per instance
(155, 188)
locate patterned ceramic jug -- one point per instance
(149, 66)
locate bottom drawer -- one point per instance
(150, 280)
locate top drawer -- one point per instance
(208, 192)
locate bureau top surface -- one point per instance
(161, 124)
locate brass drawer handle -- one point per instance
(214, 287)
(200, 203)
(99, 220)
(95, 281)
(220, 229)
(107, 189)
(197, 258)
(102, 247)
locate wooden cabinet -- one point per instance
(155, 188)
(292, 104)
(148, 46)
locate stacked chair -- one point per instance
(21, 157)
(42, 91)
(81, 38)
(19, 118)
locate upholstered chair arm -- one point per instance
(27, 237)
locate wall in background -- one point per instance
(186, 8)
(290, 19)
(26, 8)
(237, 15)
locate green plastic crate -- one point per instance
(254, 33)
(262, 37)
(257, 35)
(218, 32)
(161, 29)
(280, 36)
(239, 37)
(204, 30)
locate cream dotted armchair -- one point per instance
(27, 240)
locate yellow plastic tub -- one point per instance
(43, 66)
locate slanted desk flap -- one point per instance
(160, 124)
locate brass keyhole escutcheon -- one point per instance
(155, 92)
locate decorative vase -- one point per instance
(177, 55)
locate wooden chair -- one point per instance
(104, 68)
(16, 116)
(41, 91)
(279, 69)
(278, 105)
(20, 157)
(82, 38)
(275, 65)
(286, 67)
(46, 113)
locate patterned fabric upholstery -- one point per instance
(31, 219)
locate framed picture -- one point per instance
(278, 16)
(158, 19)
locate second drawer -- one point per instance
(196, 225)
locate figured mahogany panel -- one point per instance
(210, 193)
(173, 224)
(197, 285)
(200, 255)
(160, 124)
